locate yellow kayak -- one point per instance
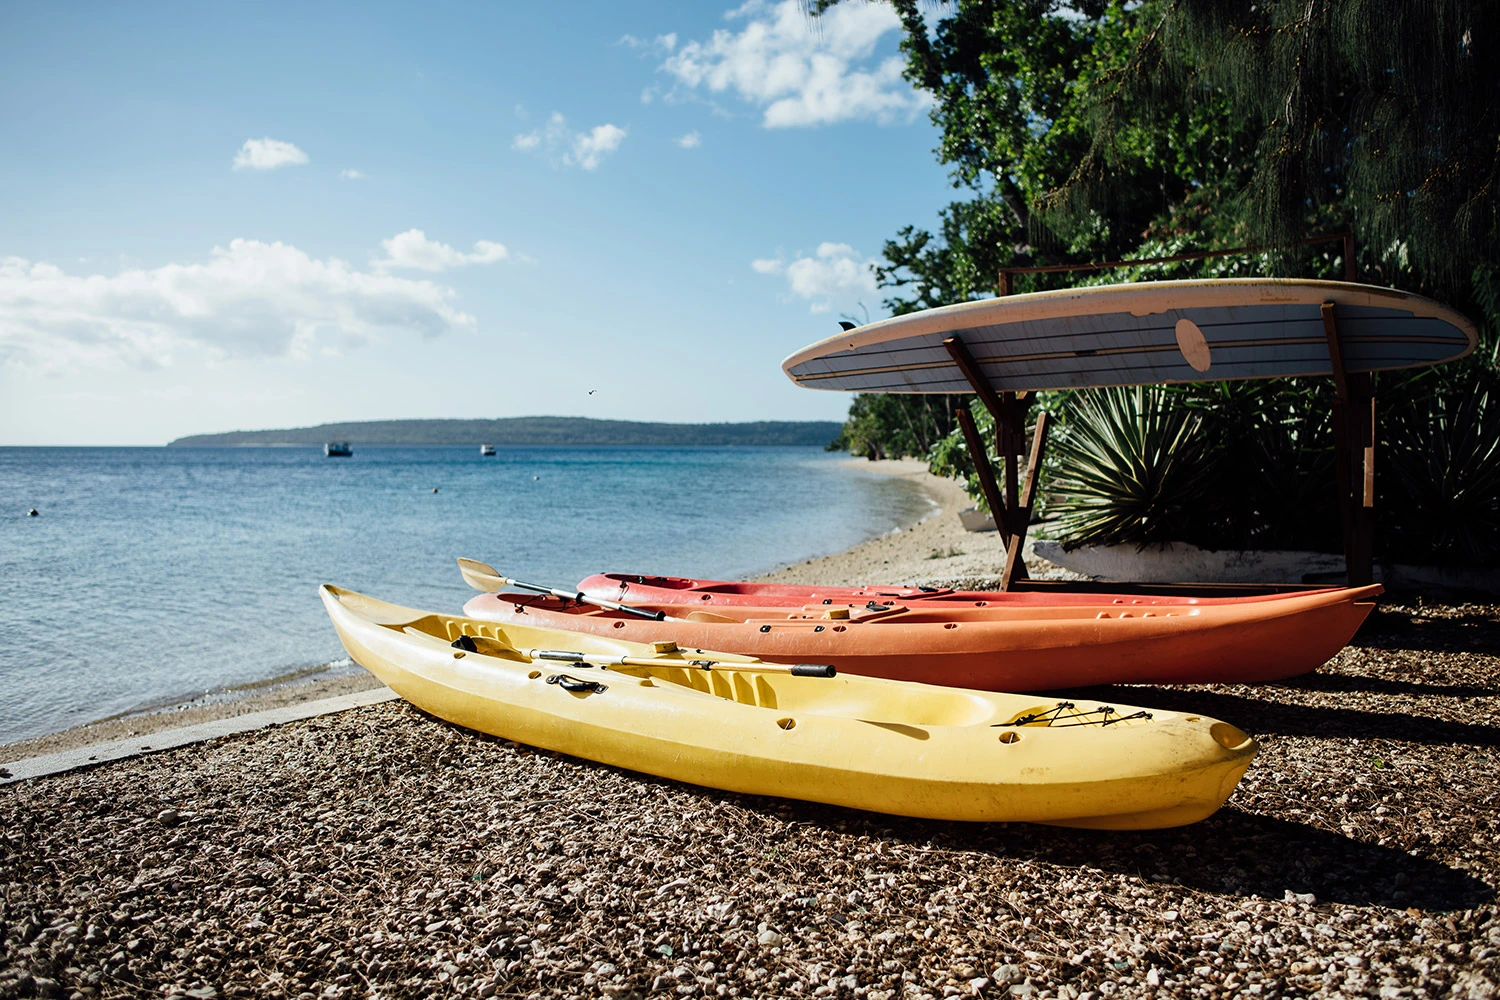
(738, 724)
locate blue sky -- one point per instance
(242, 216)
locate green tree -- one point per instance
(1088, 130)
(1382, 115)
(892, 425)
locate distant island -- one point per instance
(556, 431)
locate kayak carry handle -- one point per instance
(824, 670)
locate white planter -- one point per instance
(1179, 562)
(973, 520)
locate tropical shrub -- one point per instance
(1131, 467)
(1439, 498)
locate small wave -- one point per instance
(234, 692)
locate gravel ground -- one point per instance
(383, 853)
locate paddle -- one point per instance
(486, 646)
(795, 669)
(482, 576)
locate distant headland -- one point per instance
(557, 431)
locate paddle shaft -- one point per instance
(582, 598)
(795, 669)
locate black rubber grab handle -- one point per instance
(813, 670)
(576, 685)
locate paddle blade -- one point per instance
(481, 576)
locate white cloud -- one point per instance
(412, 249)
(348, 174)
(835, 275)
(690, 141)
(663, 43)
(247, 300)
(575, 149)
(590, 148)
(804, 71)
(268, 154)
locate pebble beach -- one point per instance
(382, 853)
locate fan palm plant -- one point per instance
(1132, 465)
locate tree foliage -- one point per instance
(890, 425)
(1082, 130)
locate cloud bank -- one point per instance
(834, 276)
(246, 300)
(803, 71)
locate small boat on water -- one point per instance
(992, 648)
(734, 723)
(337, 449)
(488, 450)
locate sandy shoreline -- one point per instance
(935, 551)
(896, 557)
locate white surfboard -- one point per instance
(1140, 334)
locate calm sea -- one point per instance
(157, 574)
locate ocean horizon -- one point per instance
(154, 575)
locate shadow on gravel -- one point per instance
(1348, 684)
(1231, 853)
(1258, 716)
(1241, 854)
(1391, 629)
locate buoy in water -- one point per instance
(33, 512)
(535, 478)
(434, 489)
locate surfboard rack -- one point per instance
(1353, 424)
(1005, 350)
(1353, 456)
(1012, 511)
(1353, 447)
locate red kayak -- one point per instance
(992, 648)
(641, 588)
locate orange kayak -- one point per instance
(647, 588)
(1026, 648)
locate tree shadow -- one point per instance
(1353, 684)
(1231, 853)
(1257, 715)
(1387, 628)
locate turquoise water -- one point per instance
(157, 574)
